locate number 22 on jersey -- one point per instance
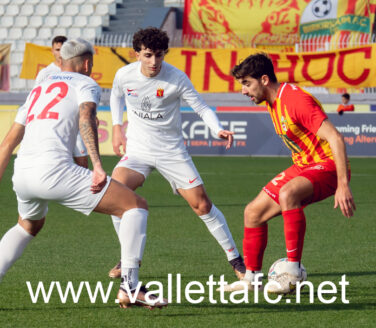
(46, 113)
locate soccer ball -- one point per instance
(287, 282)
(321, 8)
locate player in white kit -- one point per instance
(58, 108)
(152, 90)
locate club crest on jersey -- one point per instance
(132, 92)
(284, 124)
(160, 92)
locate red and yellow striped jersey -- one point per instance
(297, 116)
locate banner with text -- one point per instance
(209, 69)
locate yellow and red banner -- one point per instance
(4, 67)
(209, 69)
(238, 23)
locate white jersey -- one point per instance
(45, 72)
(80, 149)
(52, 120)
(153, 108)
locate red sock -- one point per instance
(254, 244)
(295, 227)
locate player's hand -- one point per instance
(228, 135)
(118, 140)
(344, 199)
(99, 179)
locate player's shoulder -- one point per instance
(171, 69)
(127, 69)
(295, 93)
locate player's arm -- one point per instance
(89, 134)
(193, 98)
(343, 196)
(10, 142)
(117, 103)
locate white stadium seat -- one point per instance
(59, 31)
(56, 10)
(7, 21)
(44, 33)
(32, 2)
(47, 2)
(63, 2)
(15, 33)
(65, 21)
(17, 57)
(29, 33)
(3, 33)
(87, 10)
(42, 10)
(17, 2)
(102, 10)
(71, 10)
(27, 10)
(50, 21)
(36, 21)
(14, 70)
(94, 2)
(95, 21)
(74, 32)
(80, 21)
(4, 2)
(2, 10)
(89, 33)
(17, 84)
(78, 2)
(12, 10)
(21, 21)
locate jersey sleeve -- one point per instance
(308, 112)
(194, 99)
(89, 92)
(117, 101)
(42, 75)
(21, 115)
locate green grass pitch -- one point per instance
(76, 248)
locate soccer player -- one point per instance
(152, 90)
(80, 154)
(44, 170)
(320, 168)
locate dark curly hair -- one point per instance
(255, 66)
(59, 39)
(152, 38)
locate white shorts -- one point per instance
(178, 170)
(68, 184)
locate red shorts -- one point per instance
(323, 177)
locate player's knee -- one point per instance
(142, 203)
(252, 215)
(287, 196)
(201, 207)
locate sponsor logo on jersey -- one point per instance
(132, 92)
(160, 92)
(284, 124)
(148, 116)
(145, 104)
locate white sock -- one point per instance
(132, 236)
(12, 246)
(217, 225)
(293, 268)
(251, 275)
(116, 222)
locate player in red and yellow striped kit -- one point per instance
(320, 166)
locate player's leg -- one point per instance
(15, 240)
(292, 196)
(121, 201)
(132, 179)
(216, 223)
